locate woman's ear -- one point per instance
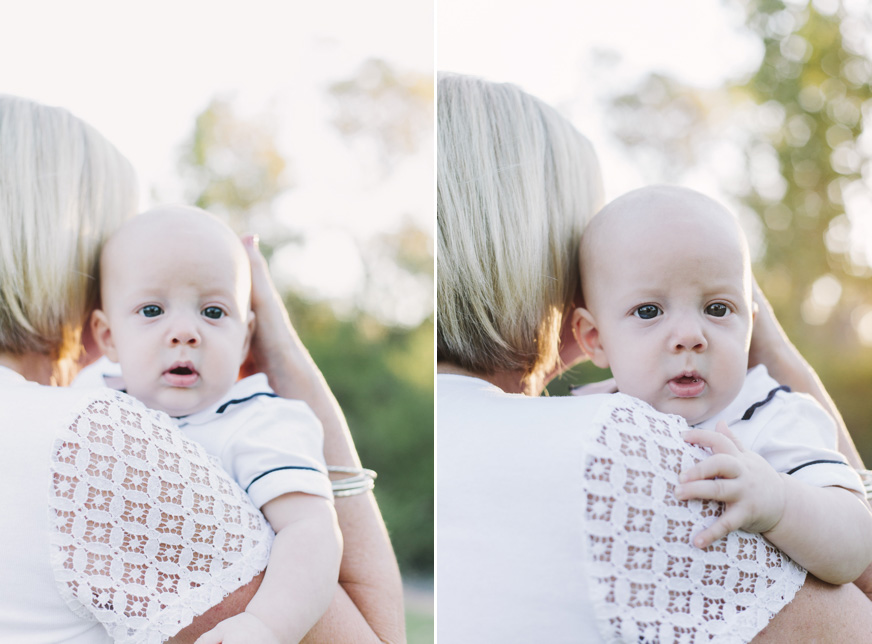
(587, 335)
(102, 334)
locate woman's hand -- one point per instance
(769, 342)
(274, 335)
(752, 490)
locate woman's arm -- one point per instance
(821, 613)
(771, 346)
(368, 606)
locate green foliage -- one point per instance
(797, 121)
(420, 627)
(383, 380)
(815, 70)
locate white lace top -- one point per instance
(557, 523)
(143, 531)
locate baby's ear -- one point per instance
(587, 335)
(102, 333)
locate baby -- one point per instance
(175, 313)
(667, 287)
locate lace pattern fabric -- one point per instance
(149, 531)
(649, 583)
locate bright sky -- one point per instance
(140, 72)
(546, 47)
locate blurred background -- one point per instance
(759, 103)
(313, 127)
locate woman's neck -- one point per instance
(33, 366)
(512, 382)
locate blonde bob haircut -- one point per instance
(516, 184)
(63, 189)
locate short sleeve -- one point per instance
(649, 584)
(798, 437)
(148, 531)
(279, 448)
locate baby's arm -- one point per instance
(826, 530)
(300, 578)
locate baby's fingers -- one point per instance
(730, 521)
(719, 465)
(724, 490)
(717, 442)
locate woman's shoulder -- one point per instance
(467, 396)
(45, 407)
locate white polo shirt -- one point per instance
(790, 430)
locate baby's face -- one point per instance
(672, 304)
(175, 296)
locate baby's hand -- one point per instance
(243, 628)
(752, 490)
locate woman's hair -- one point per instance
(63, 189)
(516, 184)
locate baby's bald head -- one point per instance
(173, 234)
(657, 219)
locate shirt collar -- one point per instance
(755, 380)
(245, 388)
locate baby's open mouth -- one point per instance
(181, 374)
(687, 385)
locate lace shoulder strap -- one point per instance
(148, 531)
(649, 583)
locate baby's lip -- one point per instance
(181, 374)
(688, 384)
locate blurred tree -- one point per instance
(382, 107)
(381, 370)
(399, 275)
(232, 165)
(787, 144)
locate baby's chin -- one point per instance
(693, 410)
(177, 404)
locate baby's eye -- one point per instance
(151, 310)
(213, 312)
(718, 310)
(647, 311)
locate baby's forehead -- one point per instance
(185, 229)
(174, 243)
(660, 214)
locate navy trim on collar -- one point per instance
(276, 469)
(223, 407)
(750, 411)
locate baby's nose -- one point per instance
(688, 336)
(185, 332)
